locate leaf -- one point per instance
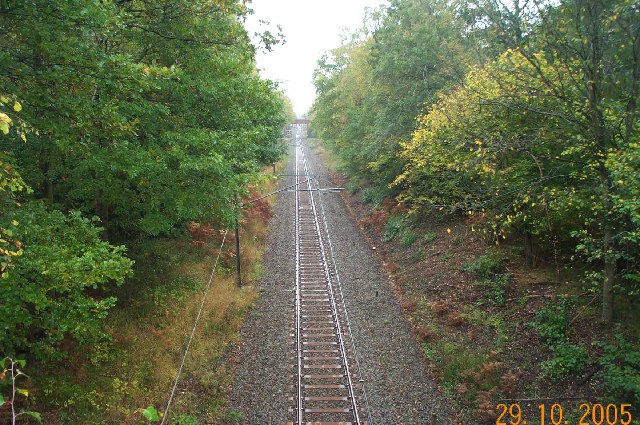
(4, 99)
(151, 414)
(1, 400)
(23, 391)
(17, 107)
(34, 415)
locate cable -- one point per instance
(193, 331)
(242, 204)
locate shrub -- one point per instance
(621, 370)
(485, 265)
(55, 289)
(408, 238)
(551, 320)
(373, 196)
(552, 325)
(395, 224)
(430, 236)
(567, 359)
(495, 288)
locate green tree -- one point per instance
(150, 113)
(542, 139)
(371, 89)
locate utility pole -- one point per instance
(236, 212)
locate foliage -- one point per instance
(185, 420)
(486, 269)
(395, 225)
(371, 88)
(56, 288)
(430, 236)
(551, 320)
(11, 183)
(621, 369)
(373, 196)
(495, 287)
(151, 414)
(527, 118)
(9, 377)
(147, 115)
(530, 143)
(135, 100)
(486, 265)
(567, 358)
(408, 238)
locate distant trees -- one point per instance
(147, 114)
(540, 137)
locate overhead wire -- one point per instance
(193, 331)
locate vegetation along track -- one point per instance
(326, 388)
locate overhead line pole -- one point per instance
(236, 212)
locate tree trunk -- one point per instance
(529, 253)
(49, 184)
(594, 15)
(609, 273)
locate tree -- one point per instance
(371, 89)
(543, 134)
(150, 113)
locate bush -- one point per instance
(621, 370)
(552, 326)
(373, 196)
(395, 224)
(567, 359)
(485, 265)
(495, 288)
(551, 321)
(54, 289)
(408, 238)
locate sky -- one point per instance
(311, 27)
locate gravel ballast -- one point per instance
(396, 378)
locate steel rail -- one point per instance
(344, 307)
(323, 338)
(334, 307)
(299, 352)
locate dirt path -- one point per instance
(396, 379)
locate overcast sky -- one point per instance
(310, 28)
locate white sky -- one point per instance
(311, 27)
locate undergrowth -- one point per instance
(149, 329)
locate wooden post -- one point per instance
(238, 275)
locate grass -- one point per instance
(408, 238)
(430, 236)
(150, 328)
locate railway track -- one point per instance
(326, 389)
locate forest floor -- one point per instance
(493, 330)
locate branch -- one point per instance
(179, 38)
